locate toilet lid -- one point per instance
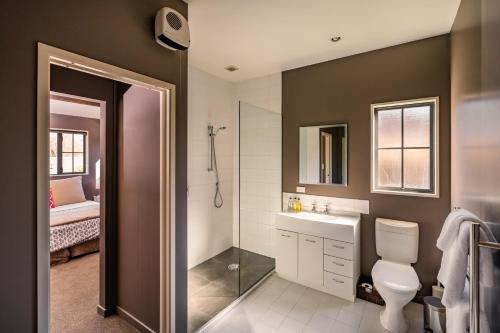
(398, 277)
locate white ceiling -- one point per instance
(268, 36)
(74, 109)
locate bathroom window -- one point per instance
(405, 148)
(68, 152)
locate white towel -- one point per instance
(457, 317)
(454, 242)
(451, 226)
(454, 264)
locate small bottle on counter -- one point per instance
(299, 205)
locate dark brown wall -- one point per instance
(92, 126)
(341, 91)
(119, 32)
(475, 98)
(138, 205)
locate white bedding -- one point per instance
(65, 235)
(80, 205)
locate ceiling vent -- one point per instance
(231, 68)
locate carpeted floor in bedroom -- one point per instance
(74, 297)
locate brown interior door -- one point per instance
(138, 205)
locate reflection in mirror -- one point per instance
(323, 154)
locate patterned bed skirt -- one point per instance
(66, 235)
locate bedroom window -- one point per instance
(405, 148)
(68, 152)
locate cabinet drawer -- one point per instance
(311, 259)
(338, 249)
(338, 265)
(286, 246)
(339, 285)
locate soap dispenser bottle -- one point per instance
(299, 205)
(290, 204)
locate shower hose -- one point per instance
(218, 200)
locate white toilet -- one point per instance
(393, 276)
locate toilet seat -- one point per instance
(399, 278)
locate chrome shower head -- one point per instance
(220, 129)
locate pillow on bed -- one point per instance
(51, 200)
(67, 191)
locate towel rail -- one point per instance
(475, 244)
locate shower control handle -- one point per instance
(310, 240)
(287, 236)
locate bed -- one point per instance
(74, 230)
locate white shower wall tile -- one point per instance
(210, 229)
(334, 203)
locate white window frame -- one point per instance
(434, 147)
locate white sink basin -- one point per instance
(339, 226)
(314, 216)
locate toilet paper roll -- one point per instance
(437, 291)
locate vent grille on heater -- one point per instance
(174, 21)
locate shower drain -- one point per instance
(233, 267)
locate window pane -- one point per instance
(53, 144)
(53, 165)
(417, 126)
(53, 153)
(78, 162)
(417, 168)
(67, 143)
(389, 128)
(67, 162)
(389, 168)
(79, 142)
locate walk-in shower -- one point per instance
(242, 223)
(218, 200)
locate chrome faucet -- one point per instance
(314, 210)
(326, 211)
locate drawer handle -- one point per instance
(288, 236)
(310, 240)
(338, 281)
(337, 263)
(338, 247)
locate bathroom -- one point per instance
(322, 166)
(361, 140)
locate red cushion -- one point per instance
(51, 200)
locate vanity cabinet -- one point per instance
(309, 267)
(324, 257)
(286, 250)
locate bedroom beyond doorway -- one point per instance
(104, 144)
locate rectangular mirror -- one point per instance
(323, 155)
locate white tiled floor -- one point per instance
(279, 306)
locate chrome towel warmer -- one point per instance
(474, 247)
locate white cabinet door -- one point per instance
(311, 259)
(286, 253)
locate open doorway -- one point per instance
(75, 216)
(104, 164)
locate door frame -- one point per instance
(48, 55)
